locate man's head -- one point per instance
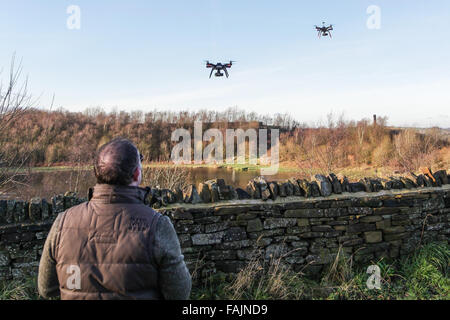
(118, 162)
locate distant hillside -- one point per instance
(47, 138)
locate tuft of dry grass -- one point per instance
(264, 278)
(19, 289)
(341, 270)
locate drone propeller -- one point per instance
(209, 64)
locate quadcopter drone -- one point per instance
(324, 30)
(219, 67)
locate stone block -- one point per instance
(214, 227)
(303, 222)
(273, 223)
(234, 234)
(207, 238)
(383, 224)
(395, 236)
(254, 225)
(373, 236)
(205, 192)
(324, 184)
(361, 227)
(304, 213)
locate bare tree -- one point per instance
(321, 149)
(166, 177)
(14, 102)
(414, 149)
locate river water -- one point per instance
(47, 184)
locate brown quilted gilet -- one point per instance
(105, 247)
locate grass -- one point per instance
(423, 275)
(25, 289)
(256, 281)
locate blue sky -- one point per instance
(142, 55)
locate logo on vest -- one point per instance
(74, 280)
(138, 224)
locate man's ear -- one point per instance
(136, 174)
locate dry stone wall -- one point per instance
(216, 190)
(305, 228)
(309, 232)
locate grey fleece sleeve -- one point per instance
(48, 285)
(174, 277)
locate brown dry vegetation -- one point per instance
(62, 137)
(15, 101)
(166, 178)
(348, 144)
